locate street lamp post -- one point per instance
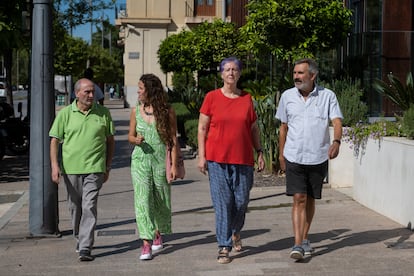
(43, 203)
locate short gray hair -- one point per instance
(313, 65)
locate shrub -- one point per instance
(180, 82)
(180, 109)
(185, 91)
(357, 135)
(266, 109)
(408, 122)
(191, 129)
(183, 114)
(264, 99)
(349, 94)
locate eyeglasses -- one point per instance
(231, 69)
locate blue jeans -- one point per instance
(230, 187)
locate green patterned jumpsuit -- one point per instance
(152, 193)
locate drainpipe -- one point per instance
(224, 10)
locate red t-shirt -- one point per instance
(229, 137)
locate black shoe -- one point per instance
(77, 248)
(85, 256)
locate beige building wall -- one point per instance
(143, 26)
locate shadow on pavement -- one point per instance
(14, 168)
(359, 238)
(338, 241)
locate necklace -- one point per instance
(148, 113)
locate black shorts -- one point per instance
(305, 179)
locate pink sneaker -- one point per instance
(146, 253)
(157, 243)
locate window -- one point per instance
(205, 8)
(205, 2)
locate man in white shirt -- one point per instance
(304, 146)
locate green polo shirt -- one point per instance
(83, 138)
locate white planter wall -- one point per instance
(384, 178)
(341, 169)
(381, 177)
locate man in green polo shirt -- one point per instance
(86, 132)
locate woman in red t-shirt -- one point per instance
(227, 135)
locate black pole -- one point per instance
(43, 208)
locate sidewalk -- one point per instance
(349, 239)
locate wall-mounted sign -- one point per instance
(133, 55)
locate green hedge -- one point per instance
(187, 124)
(408, 122)
(191, 129)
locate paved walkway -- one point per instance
(349, 239)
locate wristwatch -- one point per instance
(337, 141)
(259, 150)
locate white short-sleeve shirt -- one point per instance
(307, 140)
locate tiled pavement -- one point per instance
(349, 239)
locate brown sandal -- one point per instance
(237, 243)
(223, 256)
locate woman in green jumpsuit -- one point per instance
(152, 130)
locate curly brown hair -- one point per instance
(158, 99)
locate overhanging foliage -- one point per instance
(295, 28)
